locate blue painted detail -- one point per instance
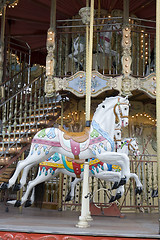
(65, 165)
(36, 146)
(43, 169)
(102, 167)
(51, 170)
(101, 145)
(109, 167)
(97, 83)
(97, 170)
(44, 148)
(99, 151)
(51, 133)
(40, 173)
(93, 152)
(46, 152)
(32, 152)
(105, 148)
(92, 172)
(56, 157)
(46, 173)
(103, 133)
(39, 152)
(53, 173)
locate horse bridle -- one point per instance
(120, 111)
(131, 146)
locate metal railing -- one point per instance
(107, 47)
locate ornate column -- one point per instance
(50, 60)
(126, 55)
(158, 96)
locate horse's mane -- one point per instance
(108, 100)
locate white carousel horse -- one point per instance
(112, 173)
(59, 164)
(117, 140)
(104, 44)
(94, 142)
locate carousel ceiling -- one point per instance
(30, 19)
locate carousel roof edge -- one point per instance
(101, 83)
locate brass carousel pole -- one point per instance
(83, 219)
(158, 96)
(2, 93)
(61, 174)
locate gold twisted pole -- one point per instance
(89, 69)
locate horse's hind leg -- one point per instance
(39, 179)
(24, 174)
(139, 187)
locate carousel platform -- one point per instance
(33, 223)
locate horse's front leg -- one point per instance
(71, 193)
(119, 194)
(116, 158)
(106, 175)
(34, 158)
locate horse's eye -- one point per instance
(117, 133)
(103, 106)
(125, 109)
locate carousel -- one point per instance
(79, 130)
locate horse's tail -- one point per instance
(39, 194)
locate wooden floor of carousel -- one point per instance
(35, 220)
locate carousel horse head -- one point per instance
(121, 111)
(113, 109)
(133, 146)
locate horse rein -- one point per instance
(120, 111)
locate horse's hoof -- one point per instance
(7, 209)
(4, 186)
(115, 185)
(112, 199)
(122, 181)
(18, 203)
(138, 190)
(28, 203)
(16, 187)
(68, 198)
(154, 193)
(118, 196)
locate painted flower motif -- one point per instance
(51, 133)
(94, 133)
(42, 134)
